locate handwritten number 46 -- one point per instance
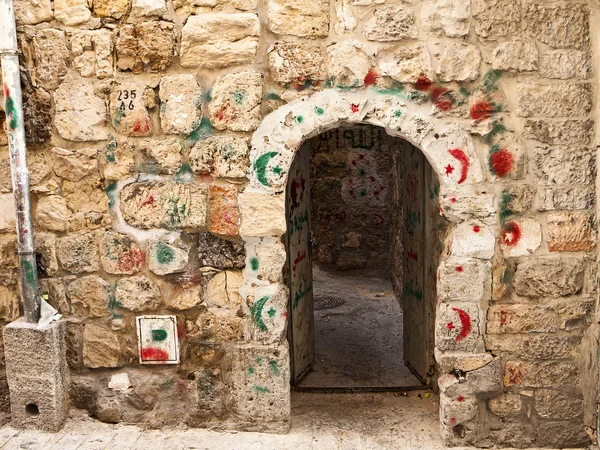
(126, 95)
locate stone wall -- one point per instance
(139, 115)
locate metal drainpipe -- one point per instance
(18, 160)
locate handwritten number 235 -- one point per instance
(126, 95)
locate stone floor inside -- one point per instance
(358, 333)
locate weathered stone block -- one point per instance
(184, 299)
(391, 23)
(265, 259)
(484, 380)
(522, 319)
(32, 12)
(8, 221)
(145, 46)
(148, 8)
(9, 304)
(270, 222)
(223, 156)
(78, 253)
(463, 361)
(506, 405)
(548, 277)
(101, 347)
(459, 62)
(533, 347)
(93, 53)
(565, 64)
(128, 112)
(224, 213)
(120, 254)
(220, 327)
(473, 240)
(220, 253)
(218, 40)
(541, 373)
(72, 12)
(350, 62)
(561, 434)
(564, 166)
(454, 411)
(89, 296)
(296, 64)
(222, 291)
(556, 100)
(518, 55)
(305, 18)
(73, 165)
(137, 294)
(559, 132)
(463, 280)
(497, 17)
(521, 237)
(117, 160)
(8, 251)
(164, 258)
(164, 205)
(465, 207)
(449, 17)
(38, 116)
(406, 64)
(45, 246)
(551, 404)
(268, 313)
(568, 198)
(51, 57)
(181, 104)
(57, 294)
(560, 26)
(111, 8)
(571, 232)
(80, 115)
(457, 326)
(236, 100)
(160, 156)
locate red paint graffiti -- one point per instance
(131, 261)
(299, 258)
(438, 99)
(465, 324)
(476, 228)
(354, 107)
(503, 318)
(449, 169)
(450, 326)
(147, 201)
(141, 126)
(154, 354)
(371, 77)
(423, 83)
(412, 255)
(501, 162)
(459, 269)
(514, 375)
(460, 398)
(481, 110)
(461, 157)
(511, 235)
(453, 200)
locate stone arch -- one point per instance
(465, 201)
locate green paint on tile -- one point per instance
(159, 335)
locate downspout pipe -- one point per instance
(13, 107)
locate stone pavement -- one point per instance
(320, 421)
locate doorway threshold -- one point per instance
(359, 389)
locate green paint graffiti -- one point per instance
(259, 360)
(490, 80)
(271, 312)
(11, 112)
(301, 293)
(203, 130)
(274, 367)
(256, 313)
(505, 210)
(411, 288)
(159, 335)
(164, 253)
(398, 113)
(239, 96)
(319, 111)
(260, 167)
(118, 117)
(29, 271)
(251, 370)
(260, 389)
(109, 153)
(299, 119)
(298, 221)
(184, 174)
(111, 193)
(254, 263)
(273, 96)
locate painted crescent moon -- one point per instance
(463, 159)
(465, 324)
(260, 166)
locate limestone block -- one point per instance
(557, 166)
(73, 165)
(551, 404)
(258, 377)
(522, 319)
(148, 8)
(111, 8)
(8, 251)
(568, 198)
(484, 380)
(45, 245)
(52, 213)
(521, 237)
(350, 62)
(57, 294)
(564, 25)
(145, 46)
(565, 64)
(8, 221)
(217, 40)
(265, 259)
(224, 213)
(268, 313)
(464, 361)
(463, 280)
(406, 64)
(236, 100)
(72, 12)
(78, 253)
(93, 53)
(464, 207)
(101, 347)
(296, 64)
(571, 232)
(459, 62)
(391, 23)
(346, 22)
(181, 104)
(118, 159)
(38, 116)
(220, 326)
(222, 291)
(137, 294)
(128, 112)
(559, 132)
(449, 17)
(262, 214)
(221, 156)
(454, 411)
(9, 304)
(164, 258)
(556, 100)
(304, 18)
(32, 12)
(87, 203)
(3, 139)
(160, 156)
(80, 115)
(220, 253)
(516, 199)
(497, 17)
(160, 204)
(89, 296)
(506, 405)
(548, 277)
(561, 434)
(457, 326)
(541, 374)
(51, 56)
(473, 240)
(120, 254)
(186, 299)
(518, 55)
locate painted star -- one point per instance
(450, 326)
(449, 169)
(277, 170)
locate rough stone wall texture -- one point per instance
(138, 118)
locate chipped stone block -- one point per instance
(39, 114)
(464, 207)
(160, 156)
(350, 62)
(185, 299)
(391, 23)
(554, 404)
(464, 361)
(57, 294)
(541, 373)
(93, 53)
(51, 56)
(120, 254)
(556, 100)
(219, 40)
(304, 18)
(463, 280)
(80, 115)
(32, 12)
(449, 17)
(557, 166)
(559, 132)
(220, 327)
(568, 198)
(534, 346)
(459, 62)
(262, 214)
(164, 258)
(72, 12)
(224, 213)
(145, 46)
(522, 319)
(484, 380)
(8, 220)
(268, 313)
(296, 64)
(45, 246)
(265, 259)
(222, 291)
(518, 55)
(158, 204)
(236, 100)
(9, 304)
(457, 410)
(128, 112)
(78, 253)
(73, 165)
(565, 64)
(564, 25)
(571, 232)
(560, 434)
(473, 240)
(457, 326)
(548, 277)
(111, 8)
(221, 156)
(506, 405)
(181, 104)
(87, 203)
(137, 294)
(148, 8)
(220, 253)
(117, 160)
(497, 17)
(520, 237)
(89, 296)
(101, 347)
